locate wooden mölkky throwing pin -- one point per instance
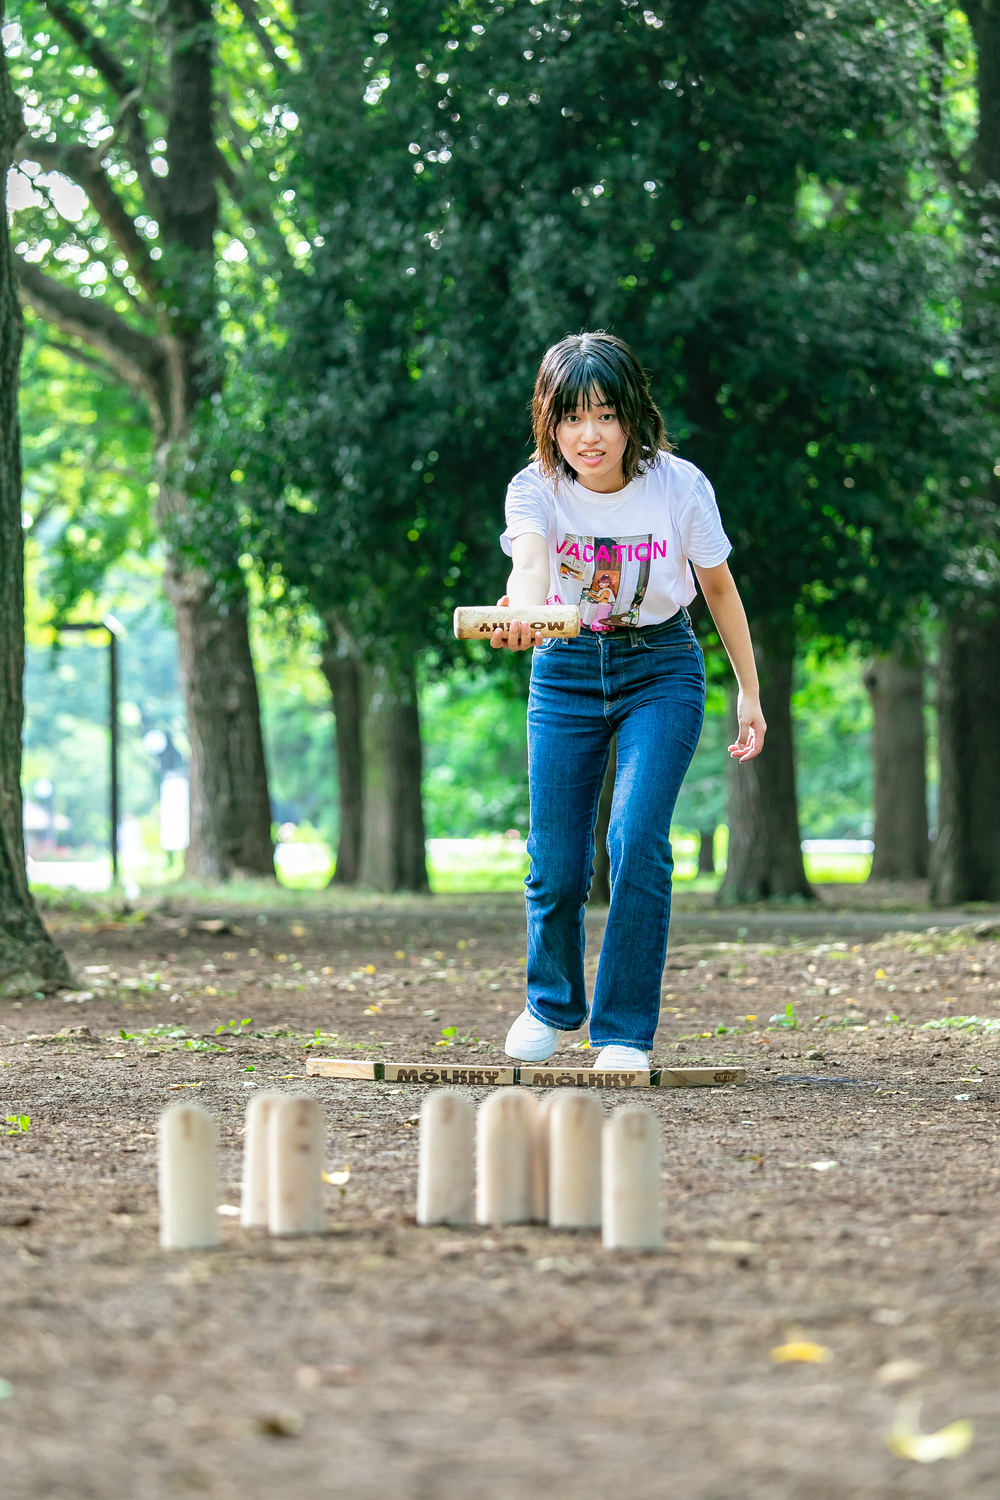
(540, 1162)
(253, 1209)
(472, 624)
(295, 1141)
(445, 1162)
(505, 1131)
(187, 1148)
(575, 1121)
(630, 1181)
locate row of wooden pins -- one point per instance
(554, 1160)
(283, 1147)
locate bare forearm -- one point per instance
(528, 583)
(723, 599)
(527, 586)
(726, 607)
(731, 622)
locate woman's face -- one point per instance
(592, 441)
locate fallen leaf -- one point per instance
(823, 1166)
(337, 1179)
(228, 1210)
(802, 1352)
(310, 1377)
(905, 1439)
(213, 924)
(898, 1370)
(741, 1249)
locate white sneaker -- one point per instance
(616, 1059)
(530, 1040)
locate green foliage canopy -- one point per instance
(730, 187)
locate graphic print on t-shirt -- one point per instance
(606, 576)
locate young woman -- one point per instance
(606, 517)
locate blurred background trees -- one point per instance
(131, 133)
(787, 211)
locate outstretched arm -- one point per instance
(726, 606)
(527, 586)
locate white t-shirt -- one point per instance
(623, 558)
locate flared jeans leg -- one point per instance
(649, 688)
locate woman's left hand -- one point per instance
(752, 729)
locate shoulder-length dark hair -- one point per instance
(593, 369)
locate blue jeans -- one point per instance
(648, 686)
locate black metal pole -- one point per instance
(113, 721)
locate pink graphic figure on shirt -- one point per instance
(602, 593)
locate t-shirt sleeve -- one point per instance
(528, 508)
(702, 536)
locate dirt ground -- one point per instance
(845, 1197)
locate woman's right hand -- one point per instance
(517, 636)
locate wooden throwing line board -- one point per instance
(580, 1078)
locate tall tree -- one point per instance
(726, 187)
(965, 861)
(765, 850)
(126, 106)
(342, 671)
(29, 960)
(895, 683)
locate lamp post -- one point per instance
(116, 632)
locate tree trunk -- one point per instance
(965, 858)
(600, 889)
(172, 371)
(765, 851)
(29, 960)
(895, 684)
(230, 810)
(706, 851)
(393, 856)
(343, 675)
(230, 805)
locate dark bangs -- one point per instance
(595, 369)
